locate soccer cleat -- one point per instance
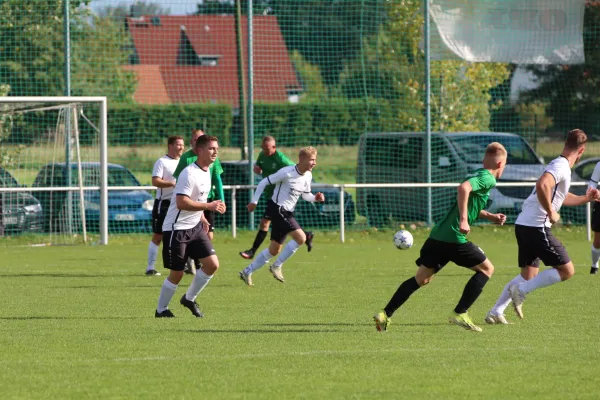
(309, 238)
(248, 254)
(594, 271)
(189, 267)
(247, 278)
(192, 306)
(517, 299)
(152, 272)
(165, 314)
(494, 319)
(277, 273)
(382, 321)
(464, 321)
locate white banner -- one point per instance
(514, 31)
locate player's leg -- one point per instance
(309, 239)
(154, 245)
(261, 235)
(470, 256)
(432, 258)
(553, 254)
(174, 257)
(596, 244)
(298, 238)
(262, 259)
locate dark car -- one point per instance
(128, 210)
(21, 212)
(309, 215)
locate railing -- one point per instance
(341, 187)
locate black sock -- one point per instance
(404, 291)
(473, 289)
(260, 237)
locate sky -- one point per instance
(177, 7)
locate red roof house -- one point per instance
(193, 59)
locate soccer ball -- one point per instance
(403, 240)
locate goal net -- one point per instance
(51, 170)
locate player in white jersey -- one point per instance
(593, 183)
(185, 230)
(163, 179)
(290, 183)
(533, 230)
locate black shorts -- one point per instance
(538, 243)
(436, 254)
(283, 222)
(596, 217)
(210, 217)
(159, 212)
(268, 210)
(180, 245)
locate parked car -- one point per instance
(128, 210)
(582, 172)
(309, 215)
(401, 158)
(20, 211)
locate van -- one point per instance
(402, 158)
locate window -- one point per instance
(472, 148)
(586, 170)
(6, 179)
(395, 152)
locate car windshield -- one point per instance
(472, 148)
(116, 177)
(6, 179)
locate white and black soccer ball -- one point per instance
(403, 240)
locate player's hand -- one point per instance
(217, 206)
(554, 217)
(592, 194)
(319, 197)
(257, 169)
(498, 219)
(251, 207)
(205, 225)
(464, 227)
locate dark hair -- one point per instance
(173, 138)
(575, 139)
(204, 140)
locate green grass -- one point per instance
(78, 322)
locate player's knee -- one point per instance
(566, 272)
(264, 224)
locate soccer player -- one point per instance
(290, 183)
(185, 230)
(216, 191)
(270, 160)
(163, 179)
(533, 231)
(448, 242)
(593, 184)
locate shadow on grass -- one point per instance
(62, 275)
(40, 317)
(263, 331)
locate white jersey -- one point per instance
(290, 184)
(532, 213)
(195, 183)
(164, 168)
(595, 178)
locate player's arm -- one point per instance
(161, 183)
(462, 201)
(216, 180)
(311, 198)
(499, 219)
(184, 188)
(544, 189)
(269, 180)
(574, 200)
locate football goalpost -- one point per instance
(54, 169)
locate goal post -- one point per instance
(33, 131)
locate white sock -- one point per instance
(166, 294)
(595, 256)
(288, 251)
(259, 262)
(152, 253)
(200, 281)
(504, 299)
(544, 278)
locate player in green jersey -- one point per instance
(448, 242)
(270, 160)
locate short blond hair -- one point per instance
(308, 151)
(495, 149)
(268, 138)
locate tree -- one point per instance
(392, 67)
(138, 9)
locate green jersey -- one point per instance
(270, 165)
(216, 169)
(447, 230)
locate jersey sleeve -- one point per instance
(277, 176)
(558, 171)
(482, 182)
(185, 184)
(180, 167)
(157, 171)
(218, 168)
(595, 178)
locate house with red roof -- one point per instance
(193, 59)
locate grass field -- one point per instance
(78, 322)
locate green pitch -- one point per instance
(78, 322)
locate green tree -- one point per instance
(140, 8)
(391, 68)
